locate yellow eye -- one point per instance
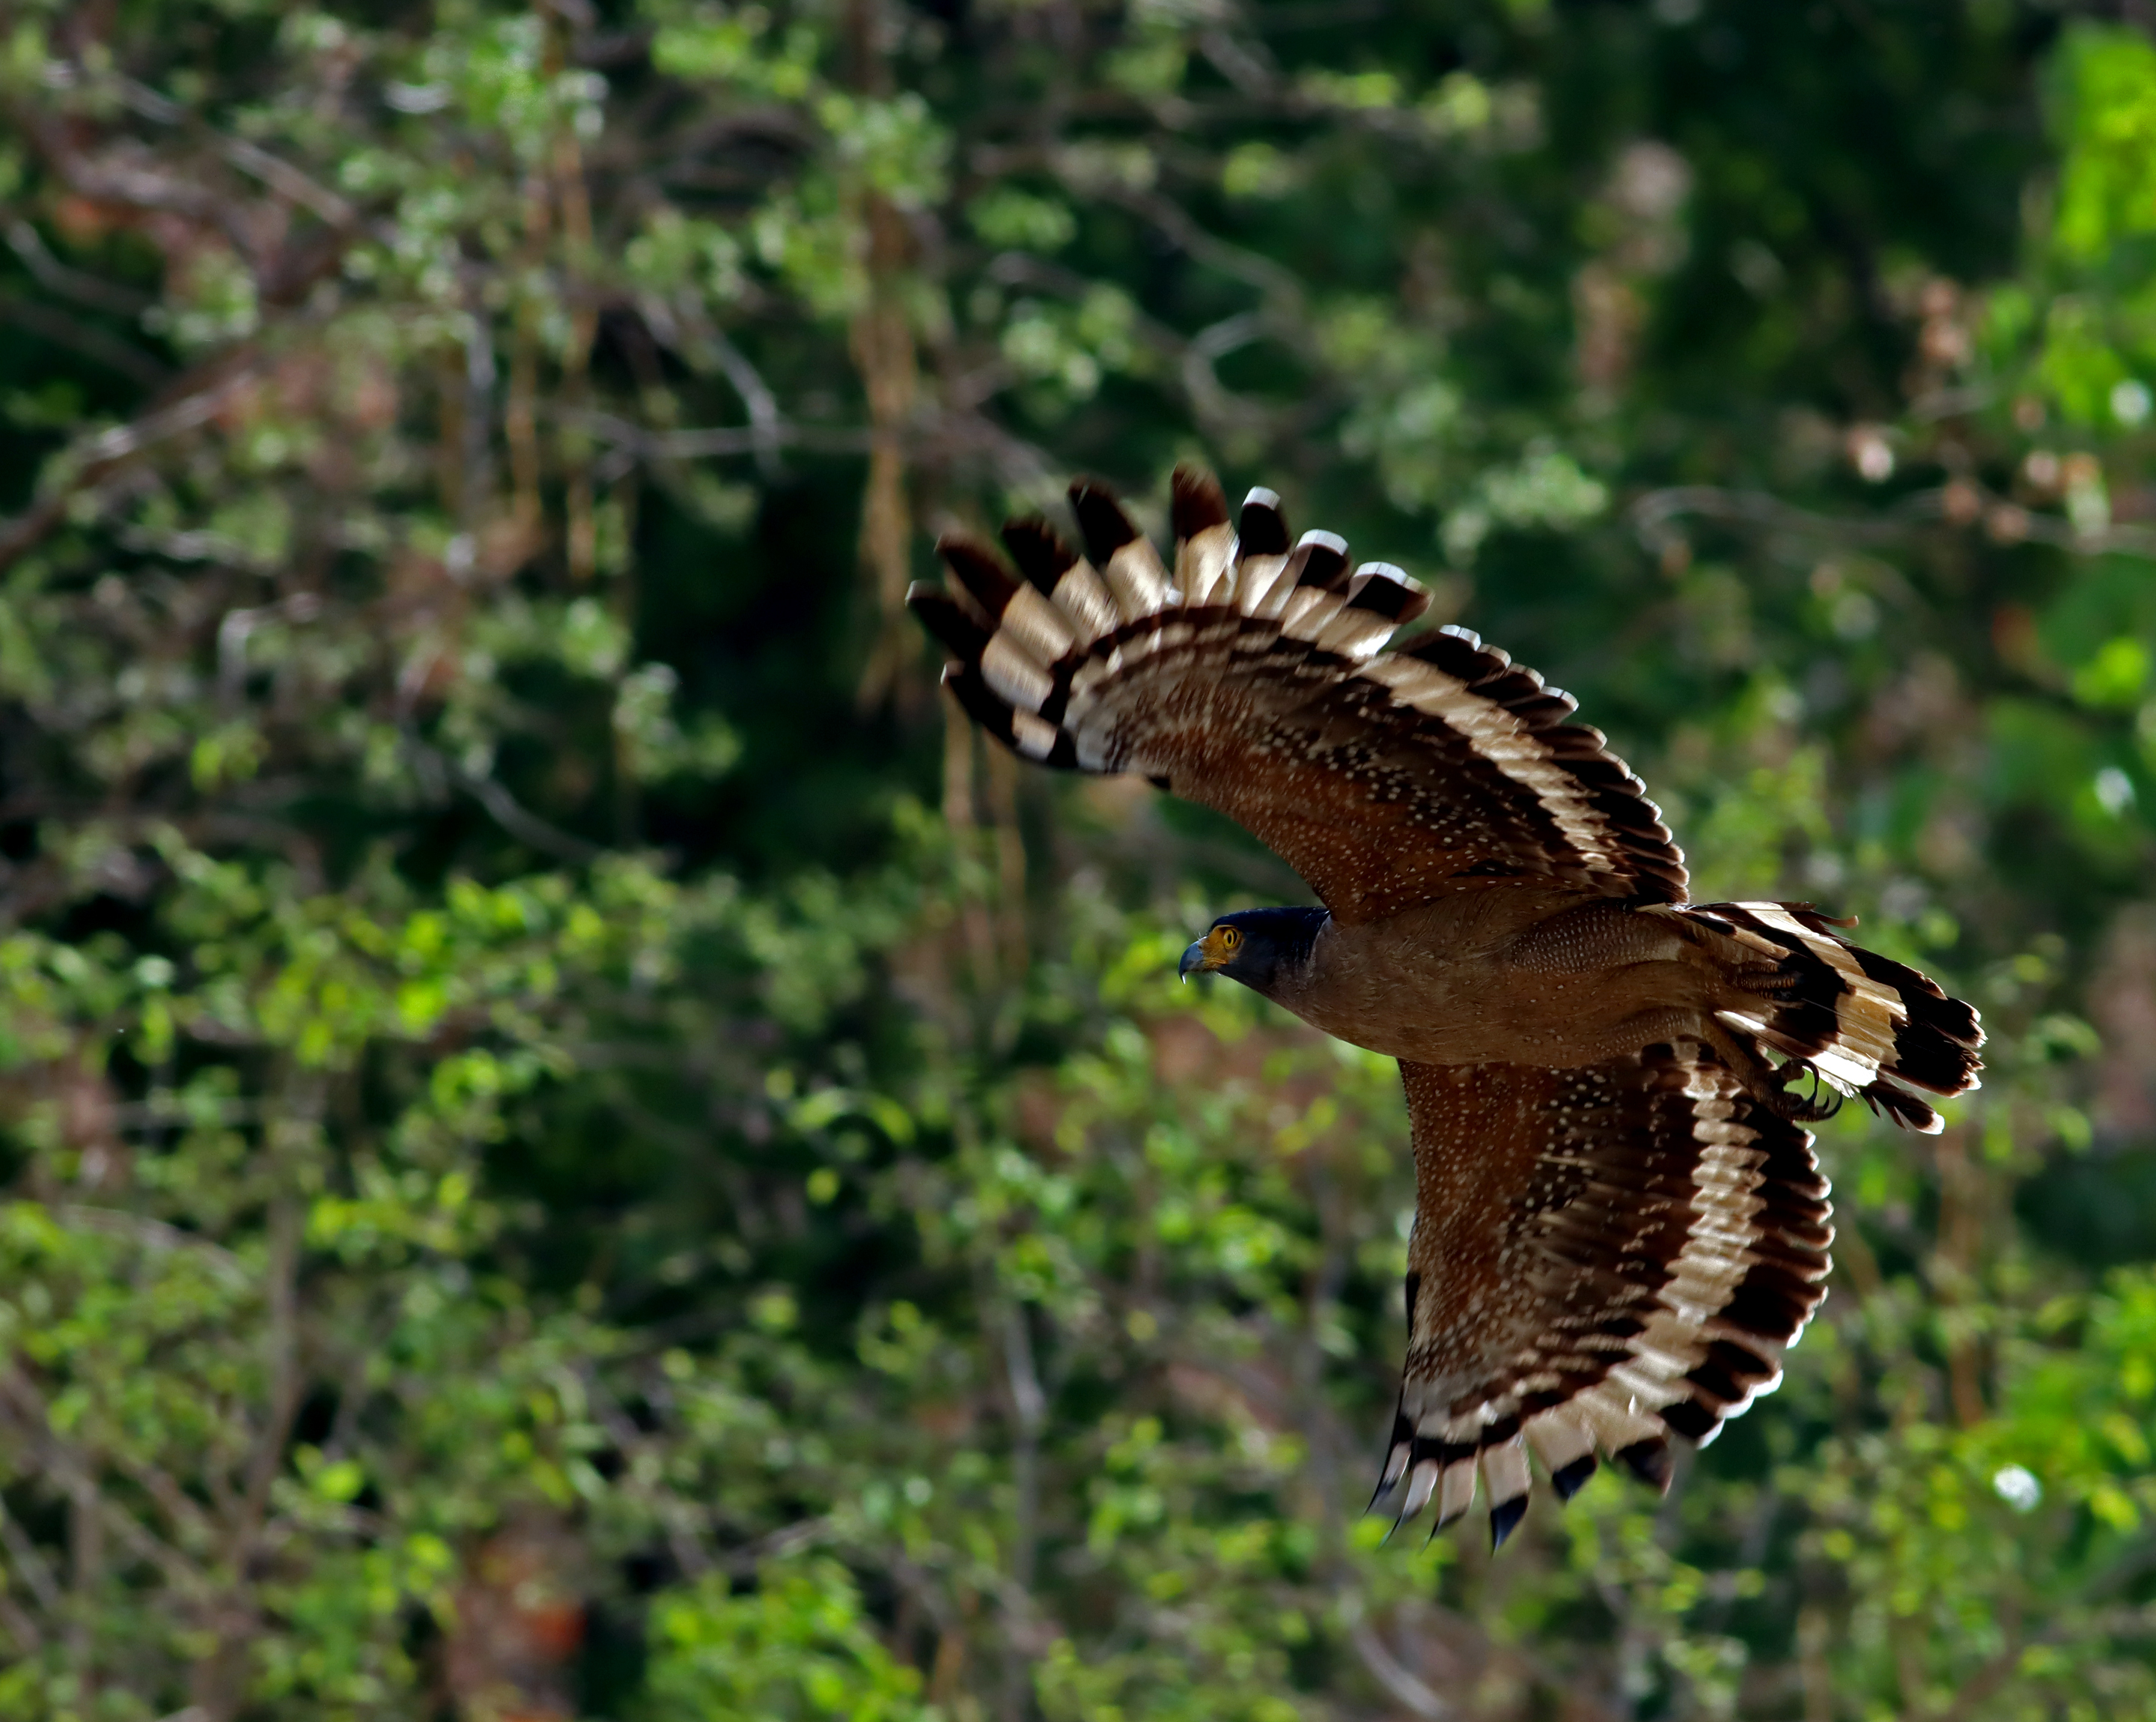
(1230, 938)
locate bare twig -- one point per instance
(574, 192)
(1209, 398)
(185, 1518)
(1281, 286)
(233, 630)
(2006, 520)
(885, 356)
(802, 1534)
(504, 808)
(280, 176)
(526, 827)
(1193, 357)
(692, 445)
(761, 404)
(1029, 1414)
(30, 1562)
(476, 494)
(1387, 1669)
(152, 1234)
(93, 1514)
(77, 285)
(1652, 515)
(166, 422)
(97, 458)
(16, 1622)
(91, 342)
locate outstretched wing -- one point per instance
(1602, 1257)
(1253, 682)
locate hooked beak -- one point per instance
(1193, 960)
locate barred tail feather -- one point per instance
(1869, 1025)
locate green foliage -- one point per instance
(797, 1645)
(572, 1151)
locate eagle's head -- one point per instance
(1255, 946)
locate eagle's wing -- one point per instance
(1252, 681)
(1601, 1257)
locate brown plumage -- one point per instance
(1619, 1224)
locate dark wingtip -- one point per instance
(1904, 1110)
(1505, 1518)
(1321, 561)
(945, 618)
(1038, 550)
(1650, 1462)
(1695, 1421)
(1388, 1479)
(1198, 500)
(1568, 1480)
(980, 702)
(1101, 521)
(1386, 591)
(978, 569)
(1262, 527)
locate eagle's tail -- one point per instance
(1867, 1024)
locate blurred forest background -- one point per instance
(576, 1149)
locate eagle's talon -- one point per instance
(1802, 1109)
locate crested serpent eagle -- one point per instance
(1619, 1224)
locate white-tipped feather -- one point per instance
(1254, 579)
(1273, 588)
(1040, 629)
(1205, 566)
(1080, 596)
(1505, 1470)
(1559, 1438)
(1035, 736)
(1616, 1420)
(1422, 1484)
(1007, 669)
(1367, 571)
(1135, 575)
(1456, 1493)
(1356, 633)
(1308, 611)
